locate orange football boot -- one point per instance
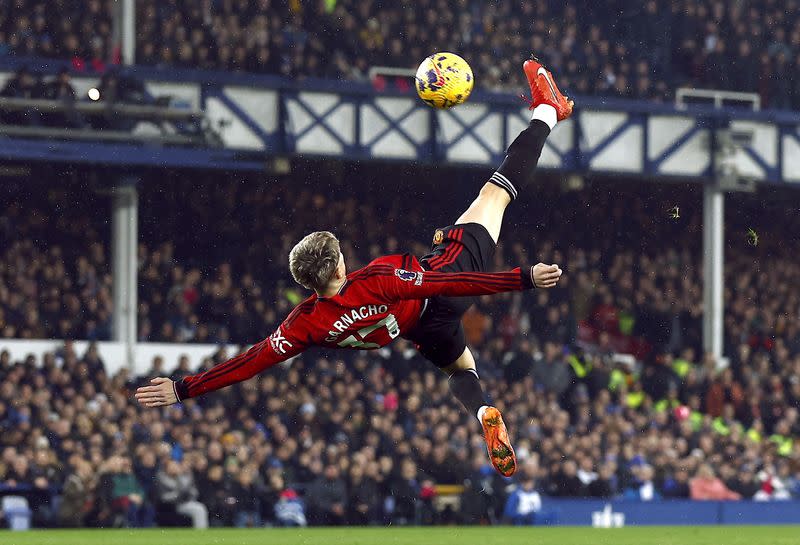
(544, 89)
(501, 453)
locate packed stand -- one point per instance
(364, 440)
(81, 32)
(626, 49)
(203, 278)
(278, 450)
(52, 285)
(624, 290)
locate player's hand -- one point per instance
(160, 393)
(545, 276)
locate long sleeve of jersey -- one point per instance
(400, 284)
(274, 349)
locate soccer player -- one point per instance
(422, 299)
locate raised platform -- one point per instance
(256, 117)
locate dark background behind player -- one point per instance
(594, 229)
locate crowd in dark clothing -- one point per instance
(79, 31)
(364, 440)
(113, 87)
(365, 437)
(204, 278)
(620, 48)
(30, 85)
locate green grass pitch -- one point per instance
(455, 535)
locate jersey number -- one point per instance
(390, 322)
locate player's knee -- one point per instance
(465, 362)
(456, 371)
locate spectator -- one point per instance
(565, 482)
(182, 369)
(523, 504)
(177, 492)
(289, 510)
(127, 495)
(217, 494)
(643, 488)
(745, 484)
(60, 88)
(604, 486)
(363, 497)
(519, 363)
(706, 486)
(246, 492)
(157, 369)
(406, 491)
(551, 371)
(773, 485)
(483, 500)
(326, 497)
(77, 495)
(586, 472)
(677, 486)
(145, 470)
(19, 472)
(24, 85)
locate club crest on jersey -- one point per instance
(279, 342)
(438, 237)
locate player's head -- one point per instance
(316, 261)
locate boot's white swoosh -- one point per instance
(543, 72)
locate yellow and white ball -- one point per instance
(444, 80)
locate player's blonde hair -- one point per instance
(314, 259)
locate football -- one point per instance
(444, 80)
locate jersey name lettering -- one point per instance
(351, 317)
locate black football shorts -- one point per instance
(439, 335)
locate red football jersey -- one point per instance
(375, 305)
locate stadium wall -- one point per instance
(114, 353)
(612, 514)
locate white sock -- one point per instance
(481, 411)
(546, 113)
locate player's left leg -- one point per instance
(516, 172)
(466, 387)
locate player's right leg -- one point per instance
(516, 172)
(468, 246)
(466, 387)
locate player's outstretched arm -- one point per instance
(274, 349)
(402, 284)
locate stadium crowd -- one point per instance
(626, 49)
(365, 441)
(364, 438)
(227, 281)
